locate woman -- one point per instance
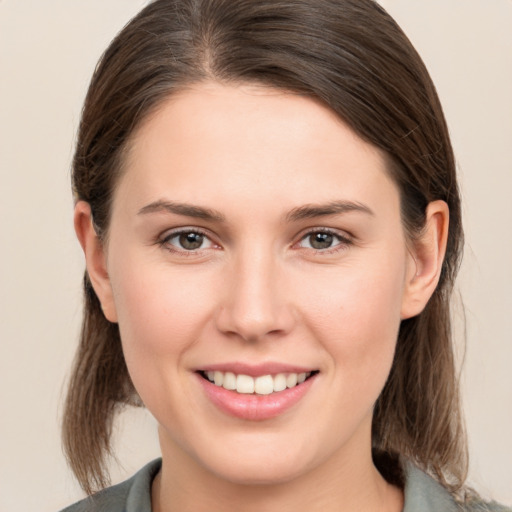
(267, 201)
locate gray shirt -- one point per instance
(422, 494)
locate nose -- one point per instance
(255, 301)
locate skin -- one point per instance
(257, 291)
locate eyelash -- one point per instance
(343, 241)
(165, 241)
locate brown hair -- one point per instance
(348, 54)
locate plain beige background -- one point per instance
(48, 50)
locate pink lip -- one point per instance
(255, 407)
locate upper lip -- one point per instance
(255, 370)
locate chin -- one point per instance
(252, 461)
(259, 474)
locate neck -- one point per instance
(353, 484)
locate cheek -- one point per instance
(161, 315)
(160, 312)
(358, 320)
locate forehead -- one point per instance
(248, 141)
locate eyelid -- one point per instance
(163, 239)
(345, 239)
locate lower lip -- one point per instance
(251, 406)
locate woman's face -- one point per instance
(254, 237)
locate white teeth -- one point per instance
(262, 385)
(229, 381)
(244, 384)
(291, 380)
(280, 382)
(218, 378)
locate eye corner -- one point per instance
(328, 240)
(187, 241)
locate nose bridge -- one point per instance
(256, 303)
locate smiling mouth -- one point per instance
(262, 385)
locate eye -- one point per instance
(321, 240)
(187, 240)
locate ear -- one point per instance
(95, 258)
(426, 256)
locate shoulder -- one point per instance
(478, 505)
(424, 494)
(132, 495)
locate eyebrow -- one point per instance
(309, 211)
(187, 210)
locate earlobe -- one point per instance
(95, 258)
(426, 260)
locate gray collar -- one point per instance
(423, 494)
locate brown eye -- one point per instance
(324, 240)
(321, 240)
(191, 241)
(187, 241)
